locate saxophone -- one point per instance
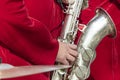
(100, 26)
(69, 30)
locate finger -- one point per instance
(70, 58)
(65, 62)
(73, 52)
(72, 46)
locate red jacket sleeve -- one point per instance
(25, 36)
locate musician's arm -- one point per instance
(25, 36)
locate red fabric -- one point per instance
(26, 38)
(118, 1)
(48, 12)
(8, 57)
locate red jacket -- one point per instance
(25, 33)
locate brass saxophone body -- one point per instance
(100, 26)
(70, 25)
(69, 30)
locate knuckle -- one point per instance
(73, 59)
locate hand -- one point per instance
(67, 53)
(68, 1)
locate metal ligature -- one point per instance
(69, 30)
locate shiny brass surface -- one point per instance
(98, 28)
(69, 30)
